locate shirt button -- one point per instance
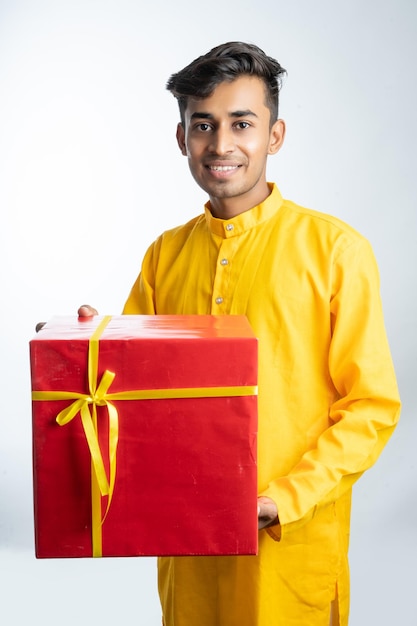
(219, 300)
(224, 262)
(229, 227)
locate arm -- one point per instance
(366, 408)
(141, 300)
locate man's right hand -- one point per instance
(86, 310)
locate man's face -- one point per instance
(227, 138)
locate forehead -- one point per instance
(243, 94)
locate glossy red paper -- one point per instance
(186, 467)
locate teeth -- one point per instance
(223, 168)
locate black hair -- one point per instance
(226, 63)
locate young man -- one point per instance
(328, 400)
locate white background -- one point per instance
(90, 173)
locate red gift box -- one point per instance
(144, 436)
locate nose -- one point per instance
(222, 141)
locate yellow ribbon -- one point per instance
(86, 405)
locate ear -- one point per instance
(181, 139)
(276, 137)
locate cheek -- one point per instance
(256, 147)
(192, 152)
(196, 146)
(193, 163)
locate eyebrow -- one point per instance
(200, 115)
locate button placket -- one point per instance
(222, 276)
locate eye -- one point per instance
(242, 125)
(203, 127)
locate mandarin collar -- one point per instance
(246, 220)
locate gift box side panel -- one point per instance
(61, 459)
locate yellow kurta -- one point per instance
(328, 400)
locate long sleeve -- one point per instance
(141, 299)
(366, 405)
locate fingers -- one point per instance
(86, 310)
(267, 512)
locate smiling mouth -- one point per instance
(222, 168)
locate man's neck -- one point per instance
(227, 208)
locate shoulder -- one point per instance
(182, 231)
(172, 240)
(314, 227)
(320, 221)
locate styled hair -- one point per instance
(225, 63)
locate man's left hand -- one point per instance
(267, 512)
